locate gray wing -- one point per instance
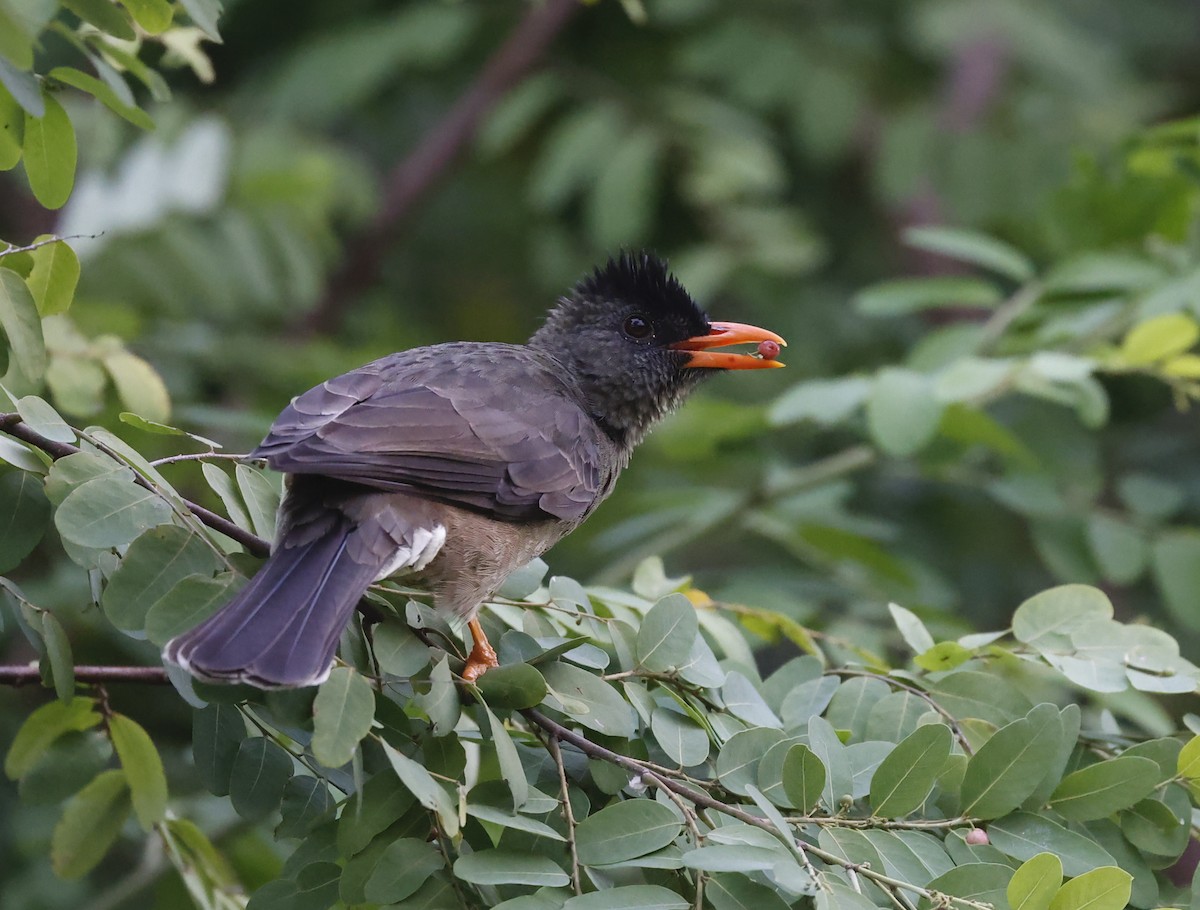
(484, 427)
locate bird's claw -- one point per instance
(482, 657)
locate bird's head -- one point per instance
(634, 342)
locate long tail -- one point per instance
(282, 629)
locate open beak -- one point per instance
(721, 334)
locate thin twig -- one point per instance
(11, 250)
(411, 179)
(200, 456)
(699, 798)
(568, 812)
(951, 721)
(15, 427)
(21, 675)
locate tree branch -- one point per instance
(15, 427)
(412, 178)
(21, 675)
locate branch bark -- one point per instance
(21, 675)
(412, 178)
(15, 427)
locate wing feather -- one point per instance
(486, 427)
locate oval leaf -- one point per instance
(625, 830)
(903, 780)
(342, 714)
(143, 769)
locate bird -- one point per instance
(455, 464)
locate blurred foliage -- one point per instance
(976, 223)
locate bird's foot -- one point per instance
(482, 657)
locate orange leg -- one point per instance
(482, 656)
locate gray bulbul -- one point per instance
(456, 464)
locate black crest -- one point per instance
(637, 276)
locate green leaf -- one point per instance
(1159, 338)
(513, 687)
(1188, 763)
(824, 742)
(588, 699)
(1099, 790)
(103, 93)
(1153, 827)
(509, 867)
(109, 511)
(1176, 562)
(67, 765)
(12, 128)
(902, 412)
(42, 418)
(21, 323)
(629, 897)
(143, 769)
(154, 563)
(306, 801)
(1119, 548)
(190, 601)
(737, 892)
(1046, 620)
(23, 86)
(106, 16)
(50, 154)
(381, 801)
(733, 858)
(912, 630)
(429, 793)
(987, 696)
(342, 716)
(90, 823)
(152, 15)
(58, 656)
(510, 762)
(261, 497)
(900, 296)
(24, 517)
(851, 705)
(223, 486)
(1023, 835)
(625, 830)
(399, 652)
(665, 637)
(261, 770)
(738, 760)
(204, 13)
(823, 401)
(983, 882)
(1010, 765)
(139, 386)
(1035, 883)
(403, 868)
(904, 779)
(684, 741)
(440, 703)
(973, 247)
(516, 821)
(803, 777)
(53, 277)
(217, 734)
(1107, 888)
(43, 727)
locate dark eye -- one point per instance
(637, 326)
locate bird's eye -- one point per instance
(637, 326)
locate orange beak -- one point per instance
(720, 335)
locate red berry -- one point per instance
(768, 350)
(977, 837)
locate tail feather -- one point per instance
(282, 629)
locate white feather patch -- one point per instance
(420, 551)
